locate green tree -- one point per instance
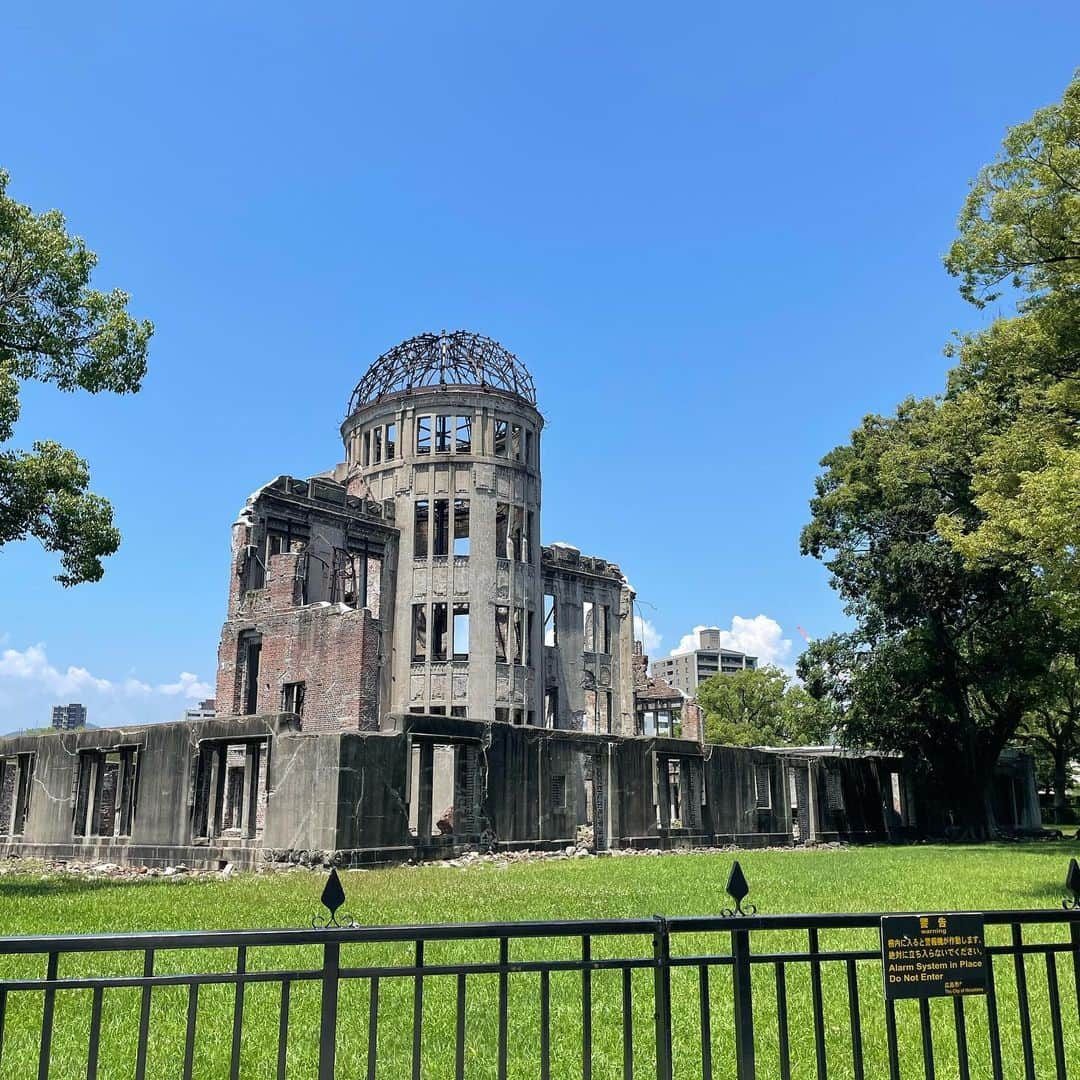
(761, 707)
(944, 658)
(54, 328)
(1020, 226)
(1052, 726)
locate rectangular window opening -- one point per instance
(551, 628)
(391, 441)
(442, 434)
(419, 633)
(502, 530)
(292, 698)
(440, 632)
(515, 442)
(551, 707)
(464, 434)
(502, 631)
(589, 626)
(423, 434)
(500, 443)
(376, 446)
(461, 631)
(519, 636)
(461, 526)
(558, 793)
(517, 534)
(441, 527)
(420, 529)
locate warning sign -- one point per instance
(933, 955)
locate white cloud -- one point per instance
(760, 636)
(188, 685)
(30, 685)
(647, 634)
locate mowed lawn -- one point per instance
(922, 878)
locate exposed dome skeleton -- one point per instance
(455, 358)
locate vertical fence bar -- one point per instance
(189, 1034)
(586, 1008)
(745, 1068)
(992, 1028)
(1022, 1001)
(545, 1024)
(1055, 1014)
(238, 1013)
(627, 1024)
(662, 997)
(328, 1010)
(47, 1010)
(890, 1035)
(144, 1018)
(960, 1023)
(3, 1014)
(95, 1034)
(459, 1040)
(283, 1029)
(927, 1038)
(504, 959)
(818, 1006)
(373, 1028)
(418, 1012)
(706, 1022)
(1074, 939)
(856, 1020)
(783, 1045)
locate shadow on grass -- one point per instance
(16, 887)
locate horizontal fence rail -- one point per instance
(744, 995)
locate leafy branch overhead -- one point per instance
(55, 329)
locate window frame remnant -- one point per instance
(551, 621)
(502, 530)
(365, 452)
(518, 621)
(440, 632)
(391, 440)
(463, 435)
(219, 805)
(502, 633)
(551, 707)
(442, 433)
(421, 528)
(376, 445)
(423, 435)
(419, 633)
(557, 791)
(106, 791)
(440, 527)
(16, 788)
(588, 626)
(515, 442)
(292, 697)
(501, 438)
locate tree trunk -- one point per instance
(1061, 782)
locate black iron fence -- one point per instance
(739, 994)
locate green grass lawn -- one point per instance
(834, 880)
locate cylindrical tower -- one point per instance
(446, 427)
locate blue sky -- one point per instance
(712, 233)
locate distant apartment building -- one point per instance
(66, 717)
(206, 710)
(685, 671)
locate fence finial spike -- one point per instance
(738, 888)
(1072, 883)
(333, 896)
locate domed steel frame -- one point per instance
(457, 358)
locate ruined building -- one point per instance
(404, 670)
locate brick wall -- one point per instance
(332, 649)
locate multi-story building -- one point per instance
(206, 710)
(68, 717)
(686, 671)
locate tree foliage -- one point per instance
(761, 707)
(1021, 226)
(55, 329)
(942, 662)
(1052, 725)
